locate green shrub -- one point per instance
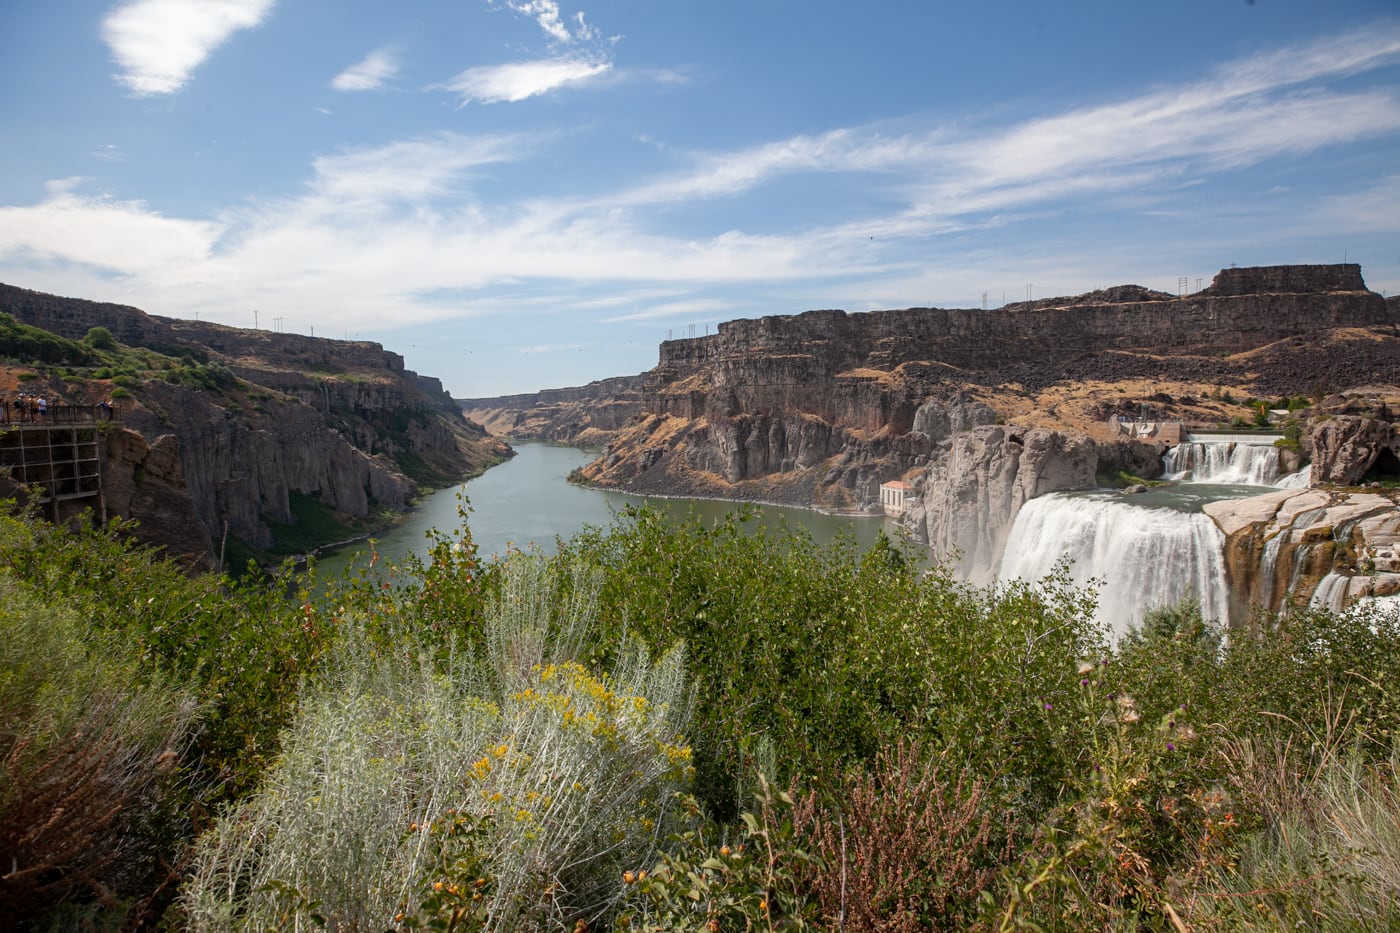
(34, 345)
(100, 338)
(749, 883)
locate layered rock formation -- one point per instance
(585, 416)
(818, 409)
(1295, 545)
(218, 444)
(970, 496)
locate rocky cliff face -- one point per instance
(586, 416)
(1335, 545)
(822, 407)
(1347, 448)
(270, 415)
(968, 499)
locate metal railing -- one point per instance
(12, 413)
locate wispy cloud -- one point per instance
(546, 14)
(1244, 113)
(689, 308)
(521, 80)
(376, 68)
(373, 230)
(582, 55)
(158, 44)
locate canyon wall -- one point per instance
(269, 415)
(586, 416)
(818, 409)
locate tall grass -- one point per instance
(1326, 855)
(513, 785)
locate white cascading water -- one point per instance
(1222, 464)
(1299, 480)
(1331, 592)
(1145, 558)
(1334, 592)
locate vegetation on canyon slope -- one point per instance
(675, 727)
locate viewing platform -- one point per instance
(57, 455)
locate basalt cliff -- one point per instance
(220, 431)
(819, 409)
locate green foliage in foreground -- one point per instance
(873, 748)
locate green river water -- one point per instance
(527, 501)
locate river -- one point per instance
(527, 501)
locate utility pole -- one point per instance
(255, 319)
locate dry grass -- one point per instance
(88, 755)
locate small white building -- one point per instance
(892, 496)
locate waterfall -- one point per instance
(1300, 480)
(1144, 558)
(1335, 592)
(1331, 592)
(1223, 464)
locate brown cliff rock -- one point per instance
(237, 421)
(853, 400)
(586, 416)
(1346, 448)
(147, 481)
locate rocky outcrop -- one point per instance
(1347, 448)
(1281, 547)
(586, 416)
(242, 469)
(967, 501)
(228, 424)
(147, 480)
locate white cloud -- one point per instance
(376, 68)
(690, 308)
(159, 43)
(410, 170)
(521, 80)
(120, 236)
(1243, 114)
(546, 15)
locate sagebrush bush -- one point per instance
(1323, 849)
(513, 786)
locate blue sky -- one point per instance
(525, 194)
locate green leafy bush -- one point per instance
(100, 338)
